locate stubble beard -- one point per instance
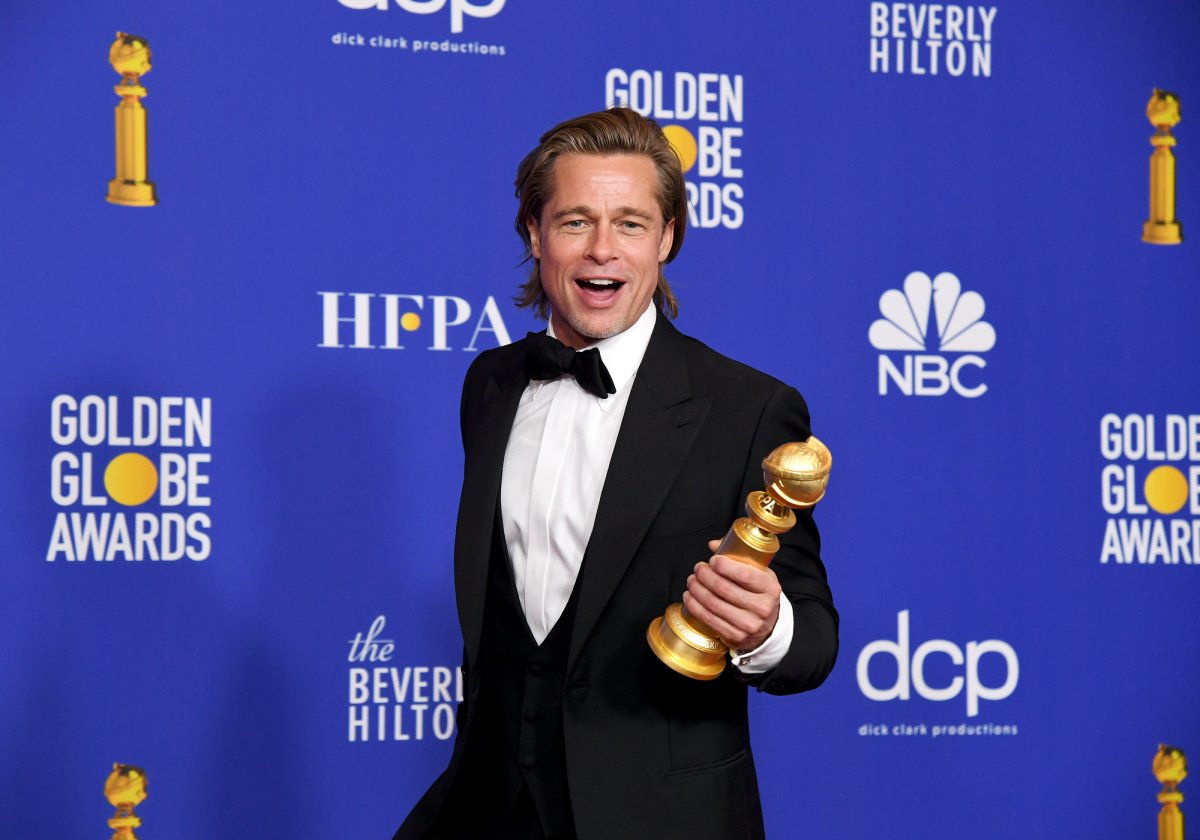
(597, 333)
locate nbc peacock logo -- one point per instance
(940, 331)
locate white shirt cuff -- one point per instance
(771, 652)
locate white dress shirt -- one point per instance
(554, 468)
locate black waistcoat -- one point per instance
(517, 739)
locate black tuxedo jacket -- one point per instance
(649, 753)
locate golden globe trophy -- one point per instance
(1170, 768)
(130, 56)
(125, 789)
(795, 475)
(1162, 228)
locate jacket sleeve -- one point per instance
(798, 564)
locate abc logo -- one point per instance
(911, 669)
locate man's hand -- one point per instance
(738, 600)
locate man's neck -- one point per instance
(622, 353)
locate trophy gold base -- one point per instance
(132, 193)
(685, 648)
(1162, 233)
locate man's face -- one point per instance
(599, 244)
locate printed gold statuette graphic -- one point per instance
(130, 56)
(1170, 768)
(125, 789)
(796, 475)
(1162, 228)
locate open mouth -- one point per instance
(599, 284)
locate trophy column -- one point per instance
(796, 475)
(130, 56)
(1162, 228)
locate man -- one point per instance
(589, 500)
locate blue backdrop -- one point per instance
(927, 217)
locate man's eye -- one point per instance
(631, 225)
(574, 224)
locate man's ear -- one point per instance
(668, 239)
(535, 241)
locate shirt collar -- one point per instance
(623, 352)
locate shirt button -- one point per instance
(535, 669)
(530, 715)
(527, 762)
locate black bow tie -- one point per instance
(549, 358)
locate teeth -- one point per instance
(601, 282)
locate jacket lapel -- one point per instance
(660, 423)
(480, 496)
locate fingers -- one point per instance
(728, 633)
(739, 601)
(745, 575)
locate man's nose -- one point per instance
(601, 245)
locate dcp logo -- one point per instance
(458, 8)
(957, 327)
(910, 671)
